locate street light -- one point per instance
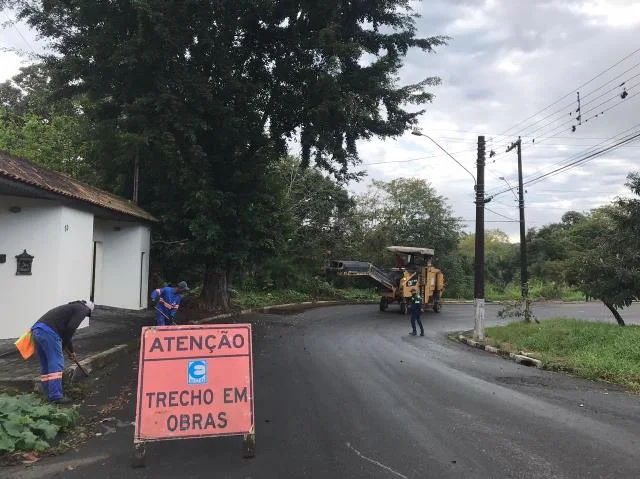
(509, 185)
(478, 185)
(417, 132)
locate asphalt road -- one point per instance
(345, 392)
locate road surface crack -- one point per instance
(373, 461)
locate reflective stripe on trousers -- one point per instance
(49, 351)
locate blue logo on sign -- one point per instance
(197, 372)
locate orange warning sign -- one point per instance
(194, 381)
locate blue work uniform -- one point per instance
(416, 308)
(51, 333)
(168, 304)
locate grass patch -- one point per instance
(260, 299)
(588, 349)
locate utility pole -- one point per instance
(478, 296)
(524, 275)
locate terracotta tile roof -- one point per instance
(29, 173)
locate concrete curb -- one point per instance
(267, 309)
(518, 358)
(527, 361)
(72, 373)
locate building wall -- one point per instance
(125, 271)
(61, 240)
(145, 247)
(35, 228)
(75, 255)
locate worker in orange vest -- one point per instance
(52, 334)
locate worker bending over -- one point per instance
(168, 299)
(52, 333)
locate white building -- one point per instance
(62, 240)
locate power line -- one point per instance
(416, 159)
(574, 164)
(571, 92)
(526, 137)
(580, 109)
(611, 107)
(577, 162)
(582, 112)
(514, 205)
(13, 24)
(561, 127)
(581, 161)
(588, 150)
(491, 221)
(499, 214)
(563, 109)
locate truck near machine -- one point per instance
(413, 270)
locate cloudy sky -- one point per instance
(507, 60)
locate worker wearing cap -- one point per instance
(52, 334)
(416, 309)
(168, 299)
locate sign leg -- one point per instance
(139, 455)
(249, 445)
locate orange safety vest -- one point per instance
(25, 345)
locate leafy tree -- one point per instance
(316, 211)
(205, 95)
(408, 212)
(550, 247)
(599, 267)
(607, 265)
(501, 256)
(36, 125)
(30, 92)
(59, 143)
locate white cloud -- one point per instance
(516, 61)
(621, 13)
(11, 63)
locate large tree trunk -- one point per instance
(215, 288)
(615, 313)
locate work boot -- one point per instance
(421, 333)
(413, 333)
(62, 401)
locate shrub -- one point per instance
(28, 424)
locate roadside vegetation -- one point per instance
(538, 291)
(258, 299)
(249, 299)
(588, 349)
(27, 423)
(245, 215)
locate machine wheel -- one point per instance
(437, 303)
(384, 304)
(403, 307)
